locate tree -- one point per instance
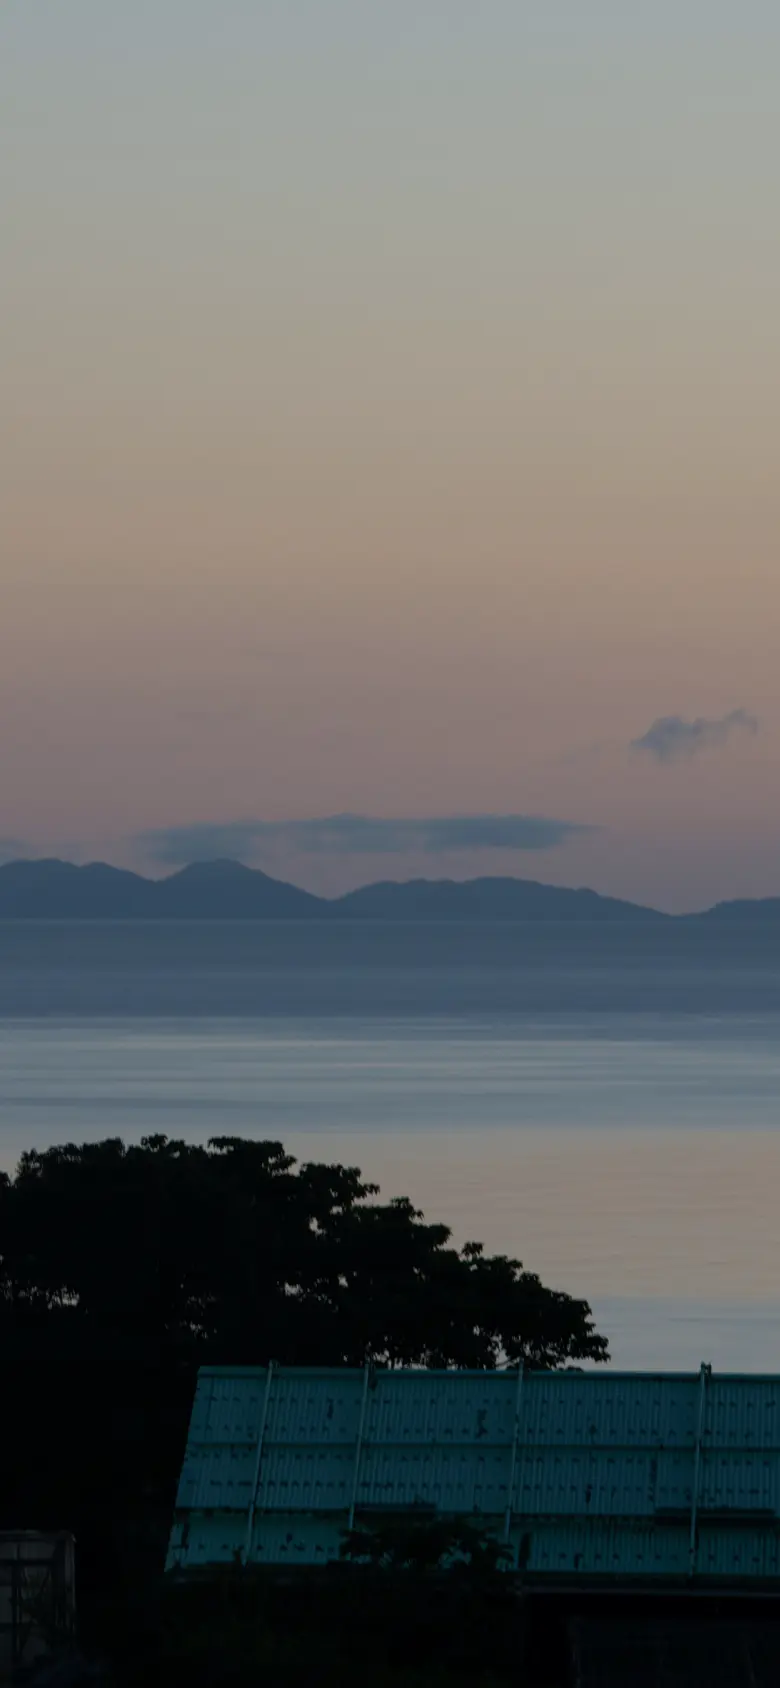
(456, 1545)
(226, 1252)
(123, 1268)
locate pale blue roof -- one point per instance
(625, 1475)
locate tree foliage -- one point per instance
(231, 1252)
(418, 1545)
(123, 1268)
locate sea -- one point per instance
(601, 1102)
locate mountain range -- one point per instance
(227, 890)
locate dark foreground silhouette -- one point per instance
(125, 1268)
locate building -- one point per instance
(592, 1480)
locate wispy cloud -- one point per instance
(672, 739)
(356, 835)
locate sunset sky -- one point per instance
(390, 426)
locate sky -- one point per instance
(389, 418)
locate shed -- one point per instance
(588, 1478)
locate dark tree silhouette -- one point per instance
(227, 1252)
(124, 1268)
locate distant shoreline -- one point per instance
(699, 920)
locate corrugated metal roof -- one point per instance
(598, 1475)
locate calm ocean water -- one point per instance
(603, 1104)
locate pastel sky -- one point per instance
(390, 411)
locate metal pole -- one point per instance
(359, 1444)
(704, 1374)
(513, 1458)
(250, 1522)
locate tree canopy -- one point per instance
(124, 1268)
(231, 1252)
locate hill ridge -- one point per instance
(49, 888)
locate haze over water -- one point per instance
(602, 1103)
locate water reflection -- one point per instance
(640, 1171)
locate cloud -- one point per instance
(363, 835)
(671, 739)
(203, 841)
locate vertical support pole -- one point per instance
(250, 1522)
(359, 1444)
(513, 1458)
(704, 1374)
(16, 1608)
(750, 1675)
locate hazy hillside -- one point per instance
(226, 890)
(744, 908)
(52, 890)
(484, 899)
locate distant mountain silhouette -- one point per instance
(226, 890)
(52, 890)
(743, 908)
(484, 899)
